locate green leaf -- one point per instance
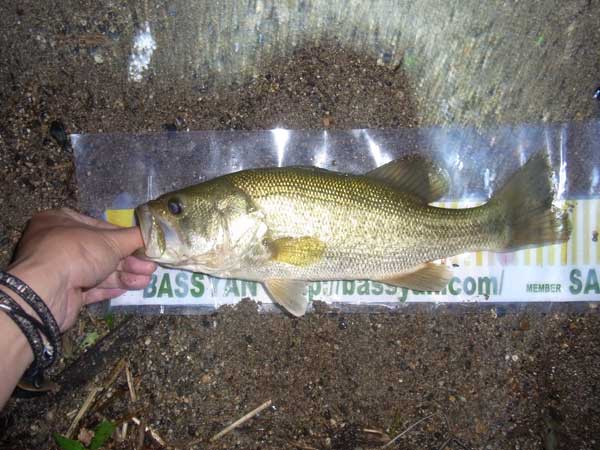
(102, 433)
(66, 443)
(110, 320)
(89, 339)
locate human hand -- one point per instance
(71, 260)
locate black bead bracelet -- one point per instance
(43, 335)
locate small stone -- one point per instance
(480, 427)
(515, 358)
(85, 436)
(205, 379)
(147, 341)
(98, 58)
(58, 132)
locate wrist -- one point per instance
(16, 356)
(20, 348)
(45, 282)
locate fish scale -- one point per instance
(369, 229)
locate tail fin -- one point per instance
(526, 201)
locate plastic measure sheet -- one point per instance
(116, 172)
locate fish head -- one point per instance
(206, 228)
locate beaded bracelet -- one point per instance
(42, 335)
(32, 330)
(51, 329)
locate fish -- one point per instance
(287, 226)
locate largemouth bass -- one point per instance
(287, 226)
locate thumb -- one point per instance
(127, 240)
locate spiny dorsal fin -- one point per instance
(300, 252)
(426, 277)
(416, 175)
(289, 294)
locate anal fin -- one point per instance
(289, 294)
(426, 277)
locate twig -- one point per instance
(445, 444)
(302, 446)
(130, 383)
(86, 405)
(459, 443)
(240, 421)
(115, 373)
(409, 428)
(382, 435)
(141, 435)
(101, 404)
(372, 431)
(92, 319)
(152, 432)
(110, 380)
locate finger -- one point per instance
(97, 295)
(139, 266)
(124, 280)
(134, 281)
(125, 240)
(111, 282)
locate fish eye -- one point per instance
(175, 206)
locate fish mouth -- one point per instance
(152, 233)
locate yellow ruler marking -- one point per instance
(479, 259)
(587, 234)
(551, 256)
(574, 235)
(120, 217)
(539, 256)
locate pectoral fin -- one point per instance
(289, 294)
(301, 251)
(415, 175)
(426, 277)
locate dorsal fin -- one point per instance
(414, 174)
